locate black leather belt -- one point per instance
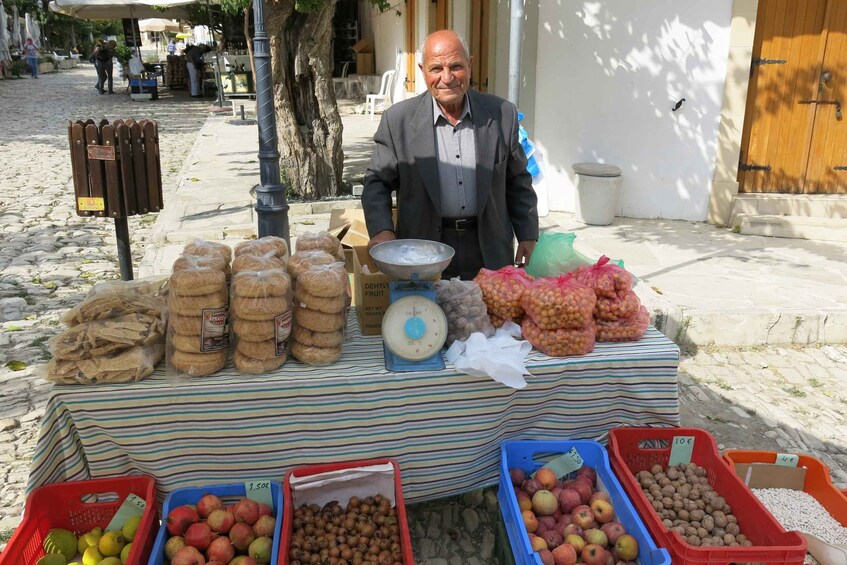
(458, 224)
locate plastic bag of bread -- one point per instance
(558, 302)
(502, 291)
(261, 319)
(203, 247)
(624, 329)
(607, 279)
(116, 298)
(321, 241)
(302, 260)
(464, 307)
(622, 306)
(267, 261)
(188, 262)
(321, 302)
(128, 365)
(198, 322)
(560, 342)
(263, 245)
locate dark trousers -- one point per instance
(467, 261)
(109, 70)
(101, 74)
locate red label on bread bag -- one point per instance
(214, 335)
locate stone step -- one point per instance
(816, 205)
(796, 227)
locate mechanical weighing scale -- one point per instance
(414, 328)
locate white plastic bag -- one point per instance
(500, 357)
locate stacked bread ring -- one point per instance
(321, 300)
(320, 241)
(198, 334)
(303, 260)
(263, 245)
(261, 308)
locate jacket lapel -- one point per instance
(485, 136)
(423, 149)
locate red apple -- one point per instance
(613, 531)
(524, 501)
(573, 529)
(582, 516)
(208, 503)
(626, 548)
(553, 538)
(584, 489)
(517, 476)
(603, 495)
(537, 543)
(529, 521)
(546, 557)
(588, 472)
(564, 555)
(569, 499)
(576, 542)
(593, 555)
(531, 486)
(603, 511)
(596, 537)
(546, 477)
(547, 521)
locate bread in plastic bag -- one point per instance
(128, 365)
(188, 262)
(502, 291)
(622, 306)
(561, 342)
(321, 241)
(322, 301)
(607, 279)
(268, 243)
(624, 329)
(464, 307)
(555, 255)
(255, 262)
(311, 355)
(116, 298)
(559, 302)
(261, 311)
(302, 260)
(203, 247)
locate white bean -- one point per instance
(797, 510)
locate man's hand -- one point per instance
(525, 249)
(387, 235)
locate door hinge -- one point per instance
(748, 167)
(840, 168)
(762, 61)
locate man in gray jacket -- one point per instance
(453, 157)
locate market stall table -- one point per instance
(444, 428)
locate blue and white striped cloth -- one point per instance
(444, 428)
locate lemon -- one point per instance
(111, 561)
(92, 556)
(130, 528)
(125, 552)
(91, 539)
(111, 544)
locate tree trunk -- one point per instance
(249, 42)
(308, 124)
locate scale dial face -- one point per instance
(414, 328)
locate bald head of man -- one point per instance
(446, 68)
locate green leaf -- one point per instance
(14, 328)
(16, 365)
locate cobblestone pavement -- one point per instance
(49, 257)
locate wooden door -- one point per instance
(411, 46)
(479, 44)
(442, 9)
(789, 127)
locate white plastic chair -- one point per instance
(384, 93)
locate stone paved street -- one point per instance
(50, 257)
(785, 399)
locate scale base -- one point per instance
(398, 365)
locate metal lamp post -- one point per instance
(271, 204)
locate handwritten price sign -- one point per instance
(787, 459)
(682, 447)
(260, 491)
(566, 463)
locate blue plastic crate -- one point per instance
(229, 493)
(521, 455)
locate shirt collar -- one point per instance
(438, 113)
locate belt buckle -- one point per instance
(460, 224)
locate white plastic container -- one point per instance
(598, 188)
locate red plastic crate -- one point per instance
(309, 470)
(635, 449)
(79, 506)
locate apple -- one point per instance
(610, 559)
(564, 555)
(537, 543)
(593, 555)
(584, 489)
(564, 520)
(531, 486)
(596, 537)
(601, 495)
(553, 538)
(575, 541)
(613, 531)
(529, 521)
(573, 529)
(547, 521)
(568, 500)
(546, 557)
(546, 477)
(582, 516)
(544, 503)
(626, 548)
(603, 511)
(588, 472)
(524, 501)
(517, 476)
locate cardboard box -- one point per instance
(363, 46)
(364, 50)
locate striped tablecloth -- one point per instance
(444, 428)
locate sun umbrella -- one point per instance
(32, 30)
(16, 27)
(113, 9)
(183, 35)
(4, 36)
(158, 24)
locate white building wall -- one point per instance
(608, 74)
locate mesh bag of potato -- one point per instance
(560, 342)
(198, 306)
(321, 301)
(624, 329)
(618, 311)
(502, 291)
(261, 311)
(559, 316)
(464, 307)
(607, 279)
(116, 334)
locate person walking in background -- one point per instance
(31, 54)
(196, 64)
(109, 67)
(96, 57)
(171, 47)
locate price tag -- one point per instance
(565, 464)
(260, 491)
(88, 204)
(787, 459)
(132, 506)
(682, 448)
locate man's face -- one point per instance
(447, 72)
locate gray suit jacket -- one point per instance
(404, 161)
